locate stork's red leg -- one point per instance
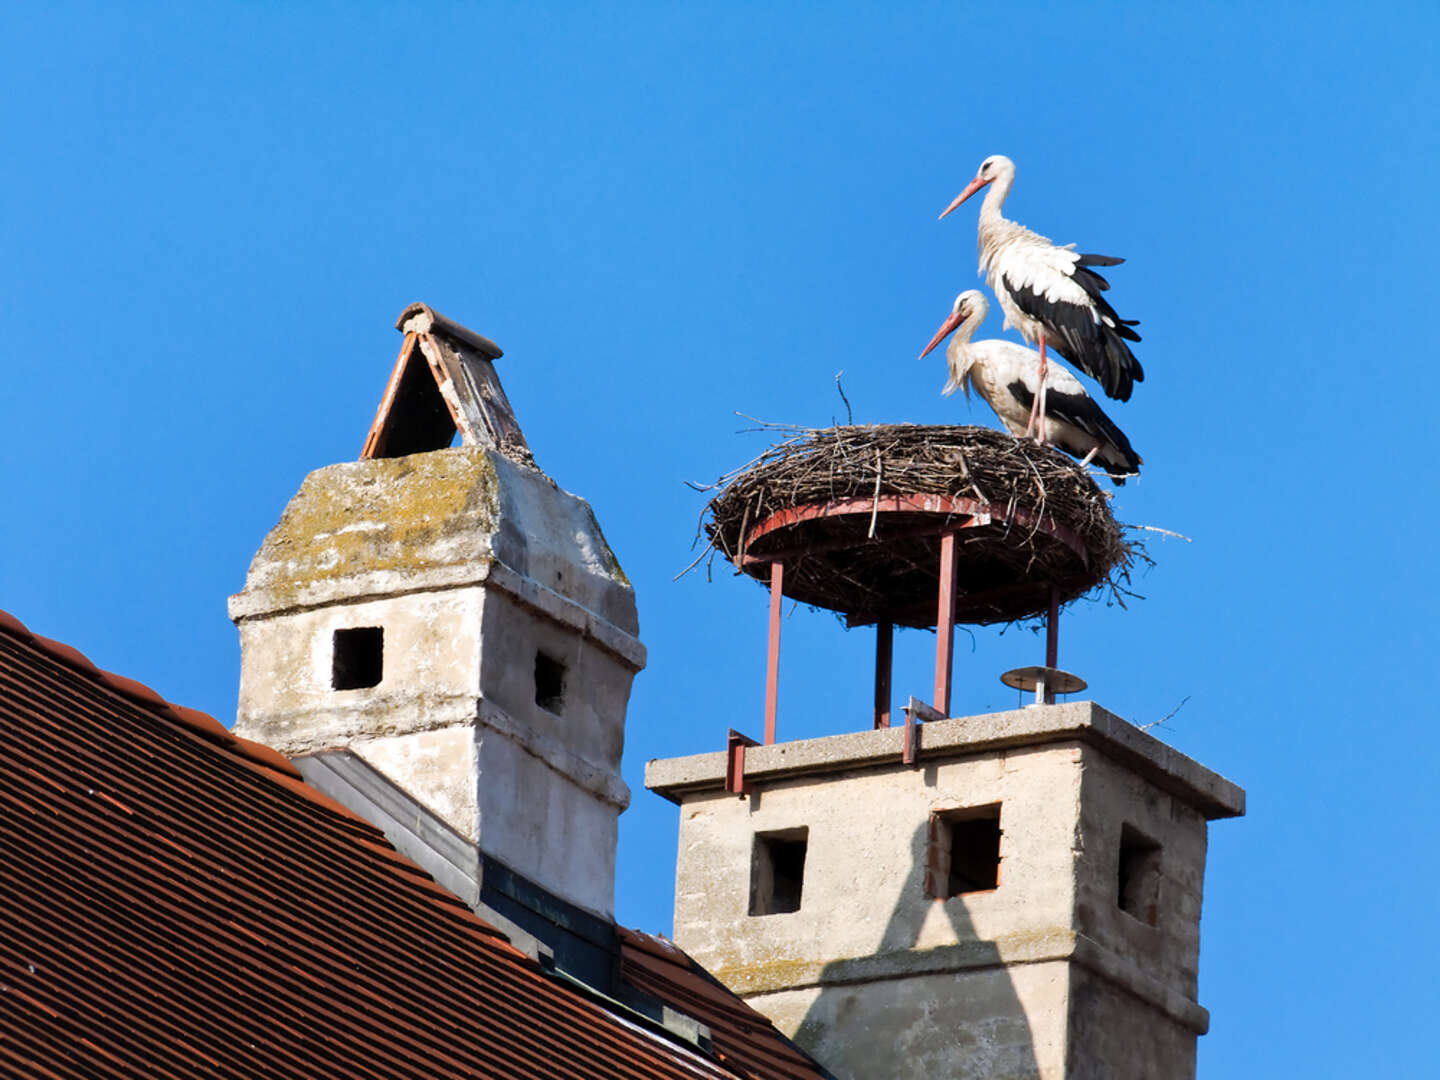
(1036, 427)
(1040, 430)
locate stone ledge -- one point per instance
(469, 711)
(600, 781)
(1081, 721)
(526, 590)
(307, 730)
(487, 572)
(1056, 945)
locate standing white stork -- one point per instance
(1008, 376)
(1050, 293)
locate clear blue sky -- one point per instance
(210, 216)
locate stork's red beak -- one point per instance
(975, 185)
(955, 319)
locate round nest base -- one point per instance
(856, 515)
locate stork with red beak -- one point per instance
(1049, 293)
(1008, 376)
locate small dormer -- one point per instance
(454, 620)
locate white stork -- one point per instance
(1049, 293)
(1008, 377)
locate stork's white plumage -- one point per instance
(1049, 293)
(1007, 376)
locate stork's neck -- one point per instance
(992, 222)
(995, 197)
(959, 354)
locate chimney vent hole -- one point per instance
(777, 871)
(359, 658)
(964, 855)
(549, 683)
(1138, 891)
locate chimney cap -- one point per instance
(444, 381)
(421, 318)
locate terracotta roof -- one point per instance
(742, 1038)
(176, 902)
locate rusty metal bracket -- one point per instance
(916, 712)
(735, 744)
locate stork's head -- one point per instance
(968, 312)
(991, 169)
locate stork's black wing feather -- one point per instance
(1097, 348)
(1083, 412)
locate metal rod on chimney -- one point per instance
(772, 671)
(1052, 646)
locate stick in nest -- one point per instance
(875, 498)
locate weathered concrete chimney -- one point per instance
(458, 623)
(1022, 902)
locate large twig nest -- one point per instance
(856, 514)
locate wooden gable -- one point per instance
(444, 381)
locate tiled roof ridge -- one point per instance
(257, 757)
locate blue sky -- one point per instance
(211, 214)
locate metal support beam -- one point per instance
(945, 624)
(772, 670)
(884, 661)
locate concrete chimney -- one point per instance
(1022, 902)
(456, 622)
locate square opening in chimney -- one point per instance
(549, 683)
(359, 658)
(964, 851)
(1138, 885)
(777, 871)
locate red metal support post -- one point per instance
(772, 670)
(884, 653)
(945, 624)
(1052, 630)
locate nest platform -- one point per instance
(857, 514)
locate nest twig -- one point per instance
(884, 566)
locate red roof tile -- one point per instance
(174, 902)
